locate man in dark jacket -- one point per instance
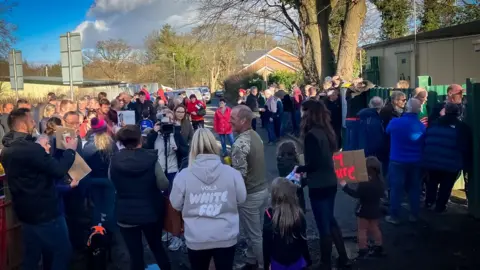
(252, 103)
(143, 104)
(447, 151)
(31, 176)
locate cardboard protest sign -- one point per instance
(63, 134)
(350, 166)
(79, 169)
(126, 117)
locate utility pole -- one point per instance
(70, 67)
(174, 71)
(14, 57)
(46, 71)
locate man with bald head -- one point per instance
(248, 158)
(406, 146)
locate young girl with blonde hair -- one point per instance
(284, 232)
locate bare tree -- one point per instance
(305, 20)
(6, 28)
(112, 57)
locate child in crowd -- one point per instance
(146, 122)
(287, 159)
(368, 209)
(284, 230)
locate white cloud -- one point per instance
(133, 20)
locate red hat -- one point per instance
(243, 91)
(98, 125)
(455, 89)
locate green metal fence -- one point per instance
(473, 180)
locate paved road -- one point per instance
(344, 210)
(447, 242)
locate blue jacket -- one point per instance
(407, 135)
(447, 144)
(371, 134)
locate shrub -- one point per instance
(241, 80)
(286, 78)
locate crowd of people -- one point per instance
(164, 177)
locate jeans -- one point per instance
(271, 131)
(198, 124)
(323, 212)
(133, 240)
(297, 116)
(103, 196)
(49, 237)
(222, 257)
(439, 188)
(223, 141)
(403, 176)
(287, 123)
(251, 220)
(277, 124)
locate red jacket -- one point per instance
(193, 107)
(221, 121)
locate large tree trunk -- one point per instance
(324, 8)
(308, 17)
(356, 11)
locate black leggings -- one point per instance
(222, 257)
(198, 124)
(153, 235)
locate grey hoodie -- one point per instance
(208, 193)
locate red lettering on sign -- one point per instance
(346, 172)
(339, 157)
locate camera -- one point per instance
(166, 128)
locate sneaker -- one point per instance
(166, 237)
(176, 244)
(344, 263)
(392, 220)
(362, 254)
(377, 251)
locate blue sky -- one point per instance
(40, 24)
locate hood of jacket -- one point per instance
(134, 161)
(368, 112)
(12, 136)
(206, 168)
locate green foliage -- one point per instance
(241, 80)
(448, 13)
(395, 14)
(286, 78)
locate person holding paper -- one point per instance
(31, 175)
(320, 143)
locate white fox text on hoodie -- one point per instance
(208, 193)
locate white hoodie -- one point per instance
(208, 193)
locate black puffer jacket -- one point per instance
(138, 200)
(31, 174)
